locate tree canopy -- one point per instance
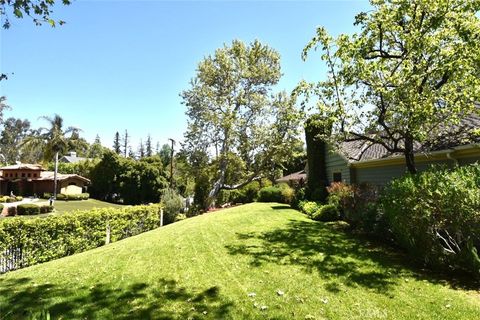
(411, 72)
(233, 114)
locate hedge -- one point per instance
(41, 240)
(27, 209)
(435, 215)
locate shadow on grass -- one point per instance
(341, 259)
(21, 298)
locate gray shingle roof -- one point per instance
(445, 138)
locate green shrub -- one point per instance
(61, 196)
(310, 208)
(54, 237)
(46, 209)
(11, 211)
(172, 205)
(180, 217)
(47, 195)
(326, 213)
(435, 215)
(270, 194)
(288, 193)
(3, 199)
(358, 206)
(18, 198)
(11, 199)
(1, 208)
(28, 209)
(298, 197)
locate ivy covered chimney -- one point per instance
(315, 128)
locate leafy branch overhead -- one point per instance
(409, 74)
(39, 11)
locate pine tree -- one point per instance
(148, 147)
(125, 143)
(141, 150)
(116, 143)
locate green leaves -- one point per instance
(411, 71)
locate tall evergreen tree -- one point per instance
(148, 147)
(125, 141)
(117, 148)
(141, 150)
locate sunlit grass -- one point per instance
(258, 261)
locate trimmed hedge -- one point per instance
(281, 193)
(319, 212)
(46, 209)
(53, 237)
(11, 211)
(28, 209)
(73, 197)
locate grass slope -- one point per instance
(206, 267)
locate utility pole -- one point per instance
(171, 163)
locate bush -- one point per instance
(358, 206)
(180, 217)
(54, 237)
(18, 198)
(11, 199)
(309, 207)
(46, 209)
(270, 194)
(61, 196)
(326, 213)
(435, 215)
(47, 195)
(11, 211)
(3, 199)
(1, 208)
(172, 205)
(288, 193)
(28, 209)
(298, 197)
(246, 194)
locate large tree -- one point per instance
(232, 112)
(13, 133)
(408, 75)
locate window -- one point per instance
(16, 174)
(23, 174)
(337, 177)
(29, 175)
(34, 175)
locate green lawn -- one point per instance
(67, 206)
(257, 261)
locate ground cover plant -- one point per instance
(256, 261)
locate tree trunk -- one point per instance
(409, 155)
(55, 177)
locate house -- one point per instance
(362, 162)
(71, 157)
(31, 179)
(294, 179)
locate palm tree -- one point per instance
(53, 140)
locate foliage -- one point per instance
(59, 236)
(172, 204)
(61, 196)
(11, 211)
(233, 118)
(270, 194)
(435, 215)
(132, 181)
(288, 193)
(46, 209)
(310, 208)
(67, 197)
(13, 133)
(327, 213)
(1, 208)
(405, 78)
(40, 11)
(357, 204)
(82, 168)
(316, 150)
(28, 209)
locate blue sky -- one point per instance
(120, 65)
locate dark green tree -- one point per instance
(117, 148)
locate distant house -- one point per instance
(72, 158)
(363, 162)
(31, 179)
(297, 178)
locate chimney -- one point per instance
(73, 154)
